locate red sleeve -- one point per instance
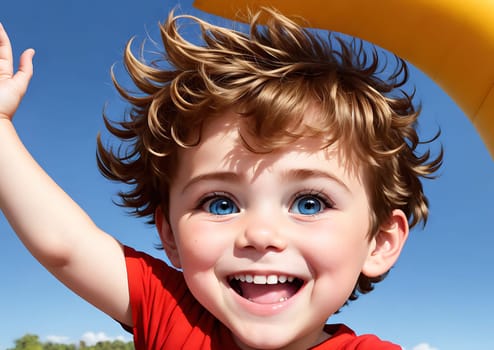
(154, 289)
(343, 338)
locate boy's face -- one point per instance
(270, 244)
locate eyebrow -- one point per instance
(215, 176)
(288, 175)
(304, 174)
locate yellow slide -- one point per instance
(452, 41)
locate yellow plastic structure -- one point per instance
(452, 41)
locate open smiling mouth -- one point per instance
(262, 289)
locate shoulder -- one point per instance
(140, 262)
(140, 257)
(343, 338)
(148, 276)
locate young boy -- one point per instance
(282, 175)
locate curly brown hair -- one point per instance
(272, 74)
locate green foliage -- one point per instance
(114, 345)
(56, 346)
(32, 342)
(28, 342)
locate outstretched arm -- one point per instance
(52, 226)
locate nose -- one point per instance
(261, 233)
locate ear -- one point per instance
(167, 237)
(385, 247)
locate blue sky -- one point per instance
(437, 296)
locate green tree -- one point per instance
(28, 342)
(112, 345)
(32, 342)
(57, 346)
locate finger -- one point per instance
(6, 68)
(25, 72)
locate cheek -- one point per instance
(201, 244)
(336, 264)
(335, 249)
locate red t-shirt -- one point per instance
(167, 316)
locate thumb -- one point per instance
(25, 72)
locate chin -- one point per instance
(260, 343)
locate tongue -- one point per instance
(267, 293)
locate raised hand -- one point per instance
(61, 235)
(12, 86)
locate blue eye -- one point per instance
(308, 205)
(221, 206)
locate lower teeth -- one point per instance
(281, 299)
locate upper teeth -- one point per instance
(263, 279)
